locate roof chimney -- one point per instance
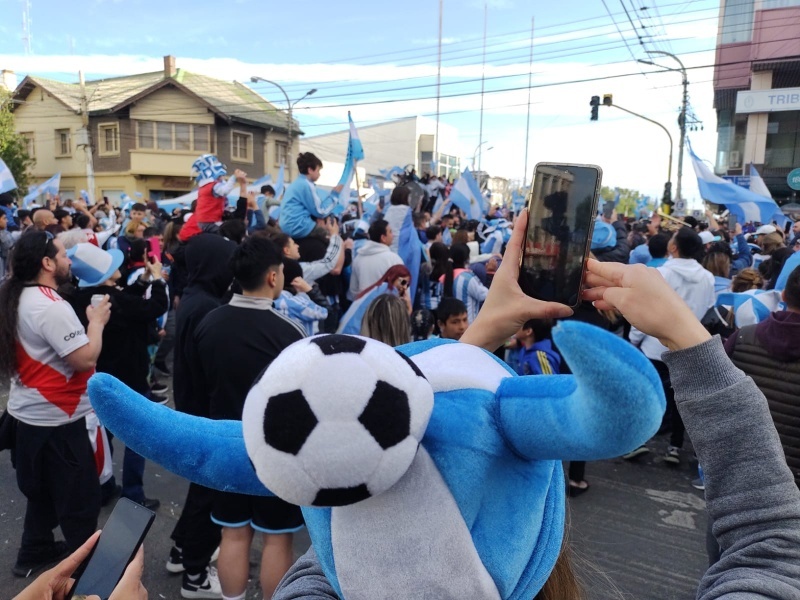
(169, 66)
(9, 80)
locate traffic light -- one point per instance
(594, 103)
(667, 199)
(608, 99)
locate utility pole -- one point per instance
(438, 92)
(483, 78)
(682, 116)
(85, 139)
(528, 123)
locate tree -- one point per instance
(627, 199)
(13, 149)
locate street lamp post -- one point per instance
(684, 106)
(290, 105)
(475, 153)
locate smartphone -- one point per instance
(562, 205)
(732, 223)
(122, 535)
(155, 248)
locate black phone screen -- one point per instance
(122, 535)
(561, 211)
(732, 223)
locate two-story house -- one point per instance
(146, 130)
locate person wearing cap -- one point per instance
(708, 238)
(49, 355)
(125, 338)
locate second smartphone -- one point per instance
(562, 206)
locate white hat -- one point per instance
(766, 230)
(707, 237)
(91, 265)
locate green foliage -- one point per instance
(13, 149)
(627, 199)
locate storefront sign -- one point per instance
(761, 101)
(793, 179)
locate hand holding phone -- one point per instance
(561, 211)
(110, 558)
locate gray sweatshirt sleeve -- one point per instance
(305, 581)
(750, 492)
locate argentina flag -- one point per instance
(751, 307)
(51, 186)
(462, 196)
(7, 182)
(748, 206)
(355, 153)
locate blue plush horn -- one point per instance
(613, 404)
(211, 453)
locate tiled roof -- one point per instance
(231, 100)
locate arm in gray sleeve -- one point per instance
(314, 270)
(750, 492)
(305, 581)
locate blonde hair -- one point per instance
(386, 320)
(718, 264)
(747, 279)
(131, 227)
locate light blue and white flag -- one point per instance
(409, 250)
(387, 174)
(476, 189)
(51, 186)
(518, 200)
(462, 196)
(181, 202)
(85, 196)
(7, 182)
(351, 320)
(751, 307)
(355, 153)
(746, 205)
(370, 205)
(280, 185)
(758, 186)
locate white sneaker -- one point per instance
(175, 559)
(206, 587)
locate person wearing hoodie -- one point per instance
(125, 337)
(374, 258)
(209, 275)
(620, 251)
(695, 285)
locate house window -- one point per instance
(144, 134)
(108, 139)
(164, 136)
(281, 153)
(737, 21)
(202, 138)
(242, 146)
(30, 147)
(63, 142)
(183, 133)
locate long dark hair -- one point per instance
(26, 262)
(459, 259)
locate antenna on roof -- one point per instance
(27, 35)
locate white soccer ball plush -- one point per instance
(335, 419)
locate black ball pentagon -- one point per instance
(339, 344)
(341, 496)
(288, 421)
(387, 415)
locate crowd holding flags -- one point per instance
(51, 186)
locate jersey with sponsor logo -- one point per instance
(45, 390)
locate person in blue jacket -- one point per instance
(536, 353)
(302, 209)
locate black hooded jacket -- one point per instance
(209, 276)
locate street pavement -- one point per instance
(637, 534)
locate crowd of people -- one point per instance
(210, 294)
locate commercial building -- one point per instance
(410, 141)
(757, 90)
(146, 130)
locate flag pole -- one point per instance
(358, 192)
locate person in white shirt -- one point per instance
(374, 258)
(49, 356)
(695, 285)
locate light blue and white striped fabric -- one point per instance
(751, 307)
(748, 206)
(463, 196)
(7, 182)
(355, 153)
(469, 289)
(302, 310)
(351, 320)
(51, 186)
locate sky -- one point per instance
(378, 59)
